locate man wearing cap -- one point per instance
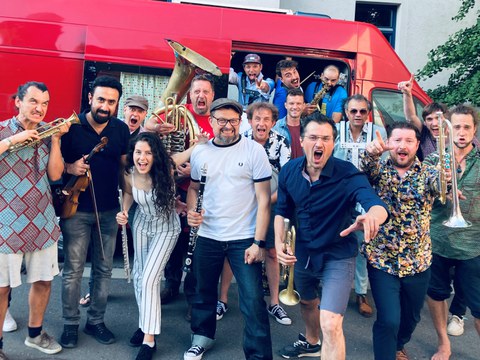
(252, 86)
(135, 112)
(233, 225)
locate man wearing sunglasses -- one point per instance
(353, 135)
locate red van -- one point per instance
(66, 44)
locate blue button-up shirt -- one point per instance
(323, 208)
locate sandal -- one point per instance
(85, 301)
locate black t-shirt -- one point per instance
(105, 165)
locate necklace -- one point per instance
(459, 163)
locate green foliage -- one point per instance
(461, 54)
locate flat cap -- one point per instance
(138, 101)
(222, 103)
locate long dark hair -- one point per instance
(163, 184)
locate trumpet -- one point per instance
(289, 296)
(46, 131)
(447, 161)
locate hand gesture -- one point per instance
(377, 147)
(262, 85)
(406, 86)
(200, 139)
(122, 218)
(366, 222)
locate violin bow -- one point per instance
(97, 217)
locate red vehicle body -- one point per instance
(59, 42)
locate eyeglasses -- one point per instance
(223, 122)
(361, 111)
(315, 138)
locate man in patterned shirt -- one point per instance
(262, 117)
(29, 229)
(399, 257)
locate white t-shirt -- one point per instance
(229, 197)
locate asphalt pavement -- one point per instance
(122, 319)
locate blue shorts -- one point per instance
(336, 278)
(467, 277)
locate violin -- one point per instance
(67, 205)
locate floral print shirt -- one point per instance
(402, 246)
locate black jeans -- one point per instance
(398, 302)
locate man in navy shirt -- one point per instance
(322, 192)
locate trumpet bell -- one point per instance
(289, 297)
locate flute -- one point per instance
(126, 259)
(194, 229)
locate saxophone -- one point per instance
(319, 95)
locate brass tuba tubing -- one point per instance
(289, 296)
(447, 161)
(46, 131)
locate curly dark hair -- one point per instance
(161, 173)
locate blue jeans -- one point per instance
(77, 232)
(208, 263)
(398, 302)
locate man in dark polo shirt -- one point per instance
(104, 168)
(323, 191)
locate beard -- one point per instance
(101, 120)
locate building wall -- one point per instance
(421, 25)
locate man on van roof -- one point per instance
(252, 85)
(288, 78)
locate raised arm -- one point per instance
(408, 106)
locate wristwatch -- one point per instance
(260, 243)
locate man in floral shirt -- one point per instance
(399, 257)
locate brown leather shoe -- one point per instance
(402, 355)
(364, 307)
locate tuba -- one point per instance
(289, 296)
(187, 64)
(45, 131)
(447, 161)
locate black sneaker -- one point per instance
(69, 336)
(137, 338)
(194, 353)
(222, 308)
(146, 352)
(100, 333)
(301, 348)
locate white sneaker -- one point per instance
(9, 324)
(455, 326)
(194, 353)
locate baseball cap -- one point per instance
(138, 101)
(222, 103)
(252, 58)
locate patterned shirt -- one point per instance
(459, 243)
(402, 246)
(27, 217)
(277, 149)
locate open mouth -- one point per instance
(201, 103)
(317, 155)
(142, 166)
(133, 121)
(261, 131)
(402, 155)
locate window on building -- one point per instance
(382, 16)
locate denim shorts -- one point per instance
(467, 276)
(336, 278)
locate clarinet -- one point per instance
(194, 229)
(126, 259)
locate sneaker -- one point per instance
(167, 295)
(194, 353)
(455, 326)
(301, 348)
(137, 338)
(146, 352)
(43, 342)
(69, 336)
(279, 314)
(222, 308)
(9, 324)
(100, 333)
(3, 356)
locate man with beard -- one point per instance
(97, 122)
(135, 112)
(233, 225)
(399, 257)
(29, 231)
(322, 192)
(252, 86)
(457, 248)
(288, 78)
(201, 96)
(332, 102)
(352, 137)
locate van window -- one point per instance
(388, 107)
